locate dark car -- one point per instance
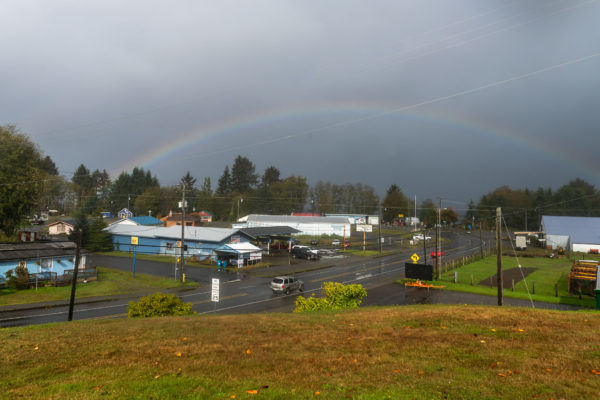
(286, 284)
(305, 252)
(314, 242)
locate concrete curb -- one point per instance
(85, 300)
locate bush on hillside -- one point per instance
(18, 279)
(337, 297)
(158, 305)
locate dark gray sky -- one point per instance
(443, 98)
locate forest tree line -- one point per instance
(30, 183)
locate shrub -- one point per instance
(337, 297)
(19, 279)
(158, 305)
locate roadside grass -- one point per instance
(110, 282)
(408, 352)
(549, 272)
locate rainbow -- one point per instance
(243, 124)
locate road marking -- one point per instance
(222, 298)
(355, 272)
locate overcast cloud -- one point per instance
(443, 98)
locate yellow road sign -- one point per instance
(415, 258)
(134, 240)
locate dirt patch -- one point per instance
(507, 277)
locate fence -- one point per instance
(54, 279)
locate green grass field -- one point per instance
(410, 352)
(109, 282)
(549, 275)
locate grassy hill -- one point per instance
(412, 352)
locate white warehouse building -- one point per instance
(578, 234)
(312, 226)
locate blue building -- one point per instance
(54, 259)
(200, 242)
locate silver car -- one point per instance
(286, 284)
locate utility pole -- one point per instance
(499, 255)
(480, 240)
(415, 220)
(424, 247)
(438, 241)
(182, 258)
(75, 269)
(379, 238)
(437, 244)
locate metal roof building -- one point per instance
(312, 226)
(200, 241)
(579, 234)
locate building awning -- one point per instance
(238, 249)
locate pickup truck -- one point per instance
(305, 252)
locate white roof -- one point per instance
(296, 219)
(243, 247)
(199, 233)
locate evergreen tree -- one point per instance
(394, 203)
(224, 185)
(81, 224)
(243, 178)
(98, 238)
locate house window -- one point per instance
(46, 263)
(169, 245)
(60, 228)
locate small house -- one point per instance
(48, 259)
(61, 227)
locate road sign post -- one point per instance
(214, 295)
(415, 258)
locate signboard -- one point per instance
(364, 228)
(400, 215)
(418, 271)
(134, 240)
(214, 295)
(415, 258)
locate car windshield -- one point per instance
(277, 280)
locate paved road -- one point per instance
(249, 292)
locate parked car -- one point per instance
(314, 242)
(286, 284)
(335, 242)
(434, 254)
(420, 236)
(305, 252)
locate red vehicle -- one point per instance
(346, 244)
(434, 254)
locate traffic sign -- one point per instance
(134, 240)
(215, 290)
(415, 258)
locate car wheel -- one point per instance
(287, 290)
